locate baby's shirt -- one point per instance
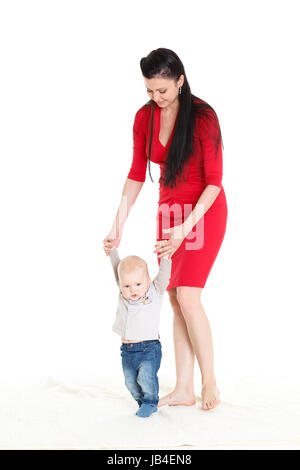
(138, 320)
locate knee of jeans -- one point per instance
(146, 373)
(130, 382)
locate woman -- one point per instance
(181, 133)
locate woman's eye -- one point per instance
(138, 284)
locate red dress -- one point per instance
(193, 260)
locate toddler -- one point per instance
(137, 322)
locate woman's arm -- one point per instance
(211, 145)
(207, 198)
(137, 173)
(130, 193)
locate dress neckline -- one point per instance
(158, 128)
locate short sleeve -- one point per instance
(139, 159)
(211, 146)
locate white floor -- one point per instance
(56, 415)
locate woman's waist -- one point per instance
(186, 195)
(181, 193)
(178, 205)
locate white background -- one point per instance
(70, 86)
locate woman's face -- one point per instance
(163, 91)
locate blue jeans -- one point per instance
(140, 363)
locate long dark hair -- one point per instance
(165, 63)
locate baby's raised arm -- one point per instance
(162, 279)
(115, 260)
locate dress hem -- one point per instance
(185, 285)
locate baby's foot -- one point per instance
(177, 399)
(210, 397)
(146, 410)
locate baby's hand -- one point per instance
(110, 244)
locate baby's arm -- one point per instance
(162, 279)
(115, 260)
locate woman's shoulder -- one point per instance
(206, 118)
(203, 108)
(144, 112)
(142, 119)
(199, 100)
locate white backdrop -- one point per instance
(70, 86)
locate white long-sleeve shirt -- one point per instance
(138, 320)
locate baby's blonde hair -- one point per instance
(131, 263)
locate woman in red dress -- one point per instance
(181, 133)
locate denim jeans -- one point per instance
(140, 363)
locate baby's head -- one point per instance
(134, 279)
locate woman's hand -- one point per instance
(110, 242)
(169, 246)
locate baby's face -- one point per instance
(135, 284)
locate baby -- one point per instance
(137, 322)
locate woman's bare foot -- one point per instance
(177, 399)
(210, 396)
